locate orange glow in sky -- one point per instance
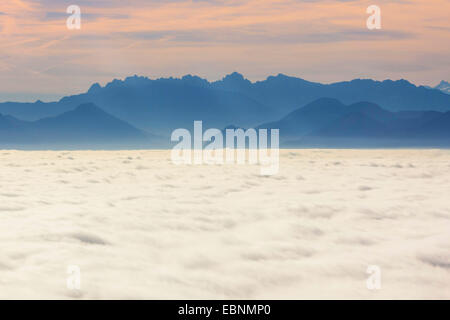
(321, 40)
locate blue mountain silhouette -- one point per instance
(161, 105)
(398, 111)
(86, 125)
(288, 93)
(443, 86)
(327, 122)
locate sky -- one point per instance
(317, 40)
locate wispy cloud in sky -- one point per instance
(321, 40)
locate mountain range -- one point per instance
(162, 105)
(85, 126)
(139, 111)
(328, 122)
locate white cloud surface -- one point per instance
(140, 227)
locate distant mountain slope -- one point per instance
(372, 111)
(392, 95)
(12, 130)
(311, 117)
(444, 86)
(87, 125)
(6, 122)
(32, 111)
(287, 93)
(328, 122)
(325, 122)
(436, 128)
(354, 124)
(162, 105)
(157, 105)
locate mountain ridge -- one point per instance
(162, 105)
(328, 122)
(86, 125)
(443, 86)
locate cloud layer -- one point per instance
(141, 228)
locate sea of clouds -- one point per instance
(140, 227)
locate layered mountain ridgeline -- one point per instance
(157, 106)
(162, 105)
(287, 93)
(87, 126)
(328, 122)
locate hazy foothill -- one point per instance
(143, 113)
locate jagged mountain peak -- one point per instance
(235, 78)
(444, 86)
(94, 88)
